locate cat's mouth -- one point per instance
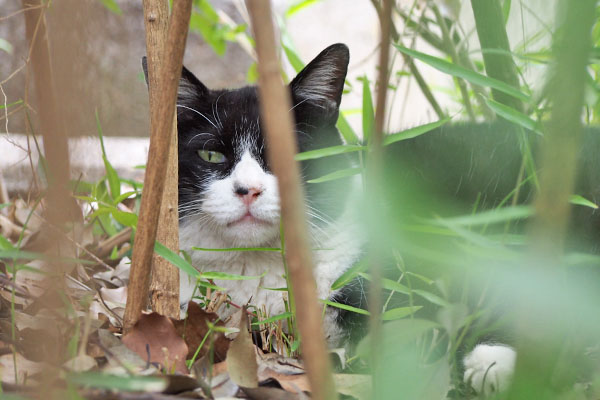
(248, 218)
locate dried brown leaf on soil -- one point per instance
(195, 328)
(241, 357)
(154, 337)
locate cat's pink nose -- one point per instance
(248, 195)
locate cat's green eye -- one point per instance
(212, 156)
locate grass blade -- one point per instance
(339, 174)
(399, 313)
(275, 318)
(468, 75)
(327, 151)
(345, 307)
(113, 179)
(514, 116)
(368, 113)
(413, 132)
(582, 201)
(346, 130)
(240, 249)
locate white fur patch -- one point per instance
(489, 368)
(215, 227)
(318, 87)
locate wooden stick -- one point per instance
(275, 105)
(56, 152)
(56, 149)
(164, 286)
(541, 348)
(374, 191)
(143, 248)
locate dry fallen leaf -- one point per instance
(194, 329)
(241, 357)
(80, 363)
(269, 393)
(154, 337)
(25, 368)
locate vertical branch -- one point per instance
(489, 21)
(156, 168)
(449, 45)
(56, 148)
(563, 133)
(56, 152)
(374, 183)
(164, 287)
(275, 106)
(541, 337)
(411, 65)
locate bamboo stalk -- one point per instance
(541, 371)
(489, 21)
(164, 285)
(275, 103)
(375, 168)
(412, 67)
(462, 85)
(56, 150)
(156, 168)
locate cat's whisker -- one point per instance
(199, 113)
(217, 111)
(297, 104)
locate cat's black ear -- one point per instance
(190, 88)
(321, 82)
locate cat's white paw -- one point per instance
(489, 368)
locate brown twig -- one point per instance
(275, 103)
(374, 165)
(164, 287)
(412, 67)
(158, 156)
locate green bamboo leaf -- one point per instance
(16, 254)
(506, 10)
(124, 196)
(175, 259)
(388, 284)
(345, 307)
(346, 130)
(293, 58)
(582, 201)
(432, 298)
(275, 318)
(494, 216)
(339, 174)
(240, 249)
(328, 151)
(466, 74)
(420, 277)
(5, 244)
(124, 218)
(228, 277)
(112, 6)
(413, 132)
(514, 116)
(129, 383)
(113, 179)
(10, 104)
(350, 274)
(368, 114)
(299, 5)
(399, 313)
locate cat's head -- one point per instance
(226, 187)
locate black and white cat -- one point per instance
(228, 197)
